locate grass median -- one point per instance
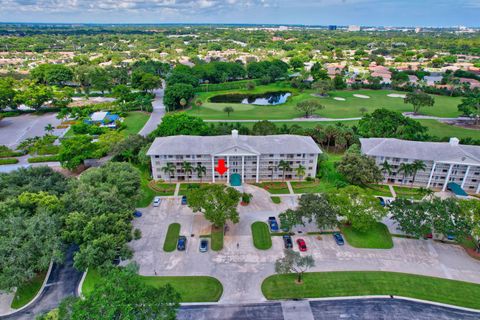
(27, 291)
(191, 288)
(171, 238)
(261, 235)
(362, 283)
(377, 237)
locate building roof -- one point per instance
(98, 116)
(233, 144)
(450, 152)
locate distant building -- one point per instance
(249, 158)
(104, 119)
(445, 162)
(353, 28)
(332, 27)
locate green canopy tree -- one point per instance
(73, 151)
(217, 202)
(121, 294)
(418, 100)
(294, 262)
(359, 169)
(309, 106)
(180, 123)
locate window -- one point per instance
(156, 157)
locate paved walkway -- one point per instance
(157, 113)
(177, 189)
(290, 189)
(392, 190)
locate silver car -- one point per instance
(156, 201)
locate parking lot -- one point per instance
(242, 269)
(14, 130)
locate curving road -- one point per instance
(63, 282)
(157, 113)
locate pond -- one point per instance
(263, 99)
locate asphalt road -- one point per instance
(365, 309)
(157, 113)
(63, 282)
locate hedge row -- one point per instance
(8, 161)
(51, 158)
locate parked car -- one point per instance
(156, 201)
(338, 239)
(203, 245)
(385, 202)
(287, 241)
(182, 243)
(184, 200)
(137, 214)
(302, 246)
(450, 237)
(272, 222)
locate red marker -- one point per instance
(221, 168)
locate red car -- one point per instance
(302, 245)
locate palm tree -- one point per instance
(272, 169)
(300, 170)
(201, 171)
(417, 165)
(386, 168)
(49, 128)
(284, 166)
(187, 168)
(169, 169)
(406, 169)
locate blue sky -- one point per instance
(319, 12)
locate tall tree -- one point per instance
(187, 168)
(359, 169)
(284, 166)
(121, 294)
(217, 202)
(309, 106)
(417, 165)
(201, 171)
(470, 107)
(169, 169)
(293, 262)
(418, 100)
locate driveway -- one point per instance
(14, 130)
(242, 270)
(157, 113)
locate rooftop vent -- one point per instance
(234, 133)
(454, 142)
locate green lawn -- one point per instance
(274, 187)
(276, 200)
(163, 189)
(378, 237)
(171, 238)
(444, 106)
(217, 239)
(186, 187)
(261, 235)
(360, 283)
(410, 193)
(135, 121)
(26, 292)
(191, 289)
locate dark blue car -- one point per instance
(338, 239)
(184, 200)
(182, 243)
(272, 222)
(137, 214)
(287, 242)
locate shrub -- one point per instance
(137, 234)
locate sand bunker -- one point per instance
(339, 99)
(361, 96)
(396, 95)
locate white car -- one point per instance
(156, 201)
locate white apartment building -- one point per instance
(445, 162)
(248, 158)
